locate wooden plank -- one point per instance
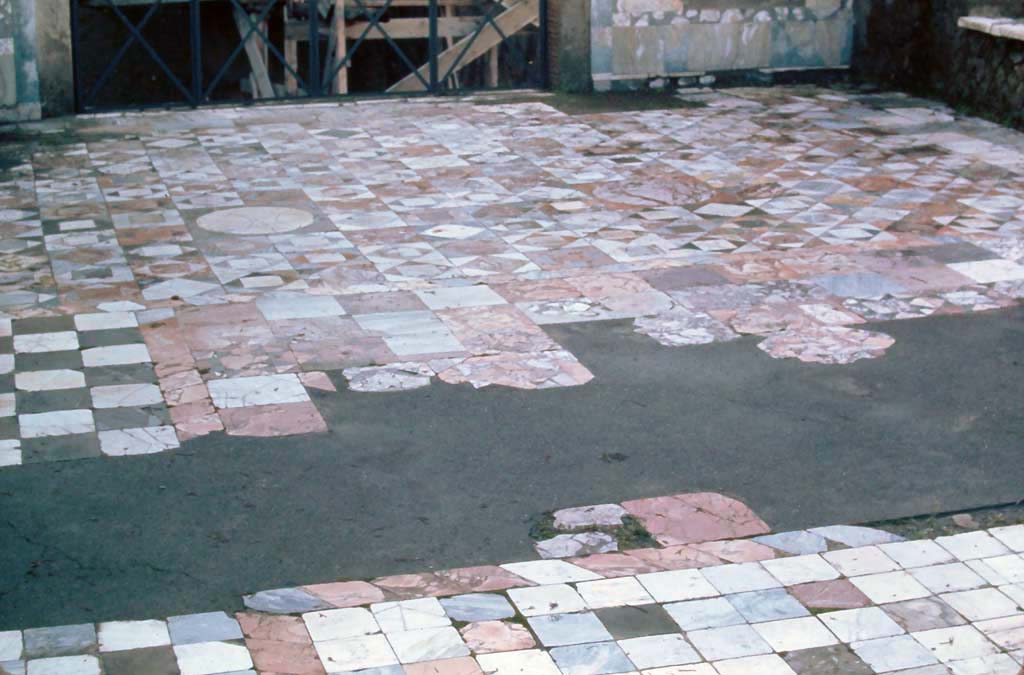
(404, 29)
(340, 48)
(517, 17)
(261, 79)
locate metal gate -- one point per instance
(146, 53)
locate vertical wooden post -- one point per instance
(340, 48)
(291, 54)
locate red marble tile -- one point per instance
(483, 579)
(409, 586)
(285, 419)
(836, 594)
(487, 637)
(347, 593)
(284, 658)
(695, 518)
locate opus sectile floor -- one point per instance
(718, 595)
(169, 275)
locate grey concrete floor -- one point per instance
(449, 476)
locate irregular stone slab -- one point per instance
(855, 535)
(832, 345)
(800, 542)
(600, 515)
(488, 637)
(832, 594)
(478, 607)
(534, 370)
(584, 543)
(683, 327)
(284, 601)
(344, 594)
(392, 377)
(695, 518)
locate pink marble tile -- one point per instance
(460, 666)
(695, 518)
(676, 557)
(347, 593)
(836, 594)
(482, 579)
(408, 586)
(488, 637)
(317, 380)
(285, 419)
(737, 550)
(617, 564)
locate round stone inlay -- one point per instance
(255, 220)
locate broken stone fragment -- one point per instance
(599, 515)
(570, 545)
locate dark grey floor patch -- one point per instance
(448, 476)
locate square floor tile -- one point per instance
(800, 569)
(853, 562)
(529, 662)
(338, 624)
(981, 604)
(637, 621)
(890, 587)
(558, 630)
(602, 658)
(770, 605)
(1004, 569)
(709, 613)
(893, 653)
(240, 392)
(47, 380)
(989, 271)
(408, 615)
(729, 642)
(65, 665)
(59, 641)
(947, 578)
(740, 577)
(858, 625)
(460, 296)
(11, 645)
(211, 658)
(824, 595)
(105, 321)
(427, 644)
(142, 441)
(754, 665)
(126, 395)
(791, 635)
(56, 423)
(958, 642)
(353, 654)
(206, 627)
(474, 607)
(117, 355)
(971, 545)
(543, 572)
(659, 651)
(677, 585)
(458, 666)
(150, 660)
(36, 402)
(540, 600)
(36, 343)
(1011, 536)
(120, 635)
(613, 593)
(834, 660)
(916, 553)
(993, 664)
(60, 448)
(923, 614)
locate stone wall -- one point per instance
(916, 45)
(642, 39)
(19, 79)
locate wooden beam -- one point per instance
(516, 17)
(261, 79)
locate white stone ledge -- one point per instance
(1011, 29)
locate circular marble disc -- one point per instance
(255, 220)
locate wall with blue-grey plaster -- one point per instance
(19, 78)
(643, 39)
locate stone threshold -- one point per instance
(1010, 28)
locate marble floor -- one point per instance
(169, 275)
(716, 593)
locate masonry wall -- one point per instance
(641, 39)
(19, 75)
(915, 45)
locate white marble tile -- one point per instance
(527, 662)
(769, 664)
(427, 644)
(1011, 536)
(10, 454)
(858, 625)
(238, 392)
(677, 585)
(989, 271)
(993, 664)
(407, 615)
(460, 296)
(49, 380)
(790, 635)
(138, 441)
(918, 553)
(115, 636)
(613, 593)
(37, 343)
(890, 587)
(210, 658)
(893, 653)
(955, 643)
(729, 642)
(6, 363)
(11, 644)
(64, 665)
(354, 654)
(56, 423)
(659, 651)
(115, 355)
(125, 395)
(740, 578)
(8, 405)
(543, 572)
(708, 613)
(981, 604)
(284, 306)
(105, 321)
(800, 569)
(853, 562)
(971, 545)
(947, 578)
(542, 600)
(339, 624)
